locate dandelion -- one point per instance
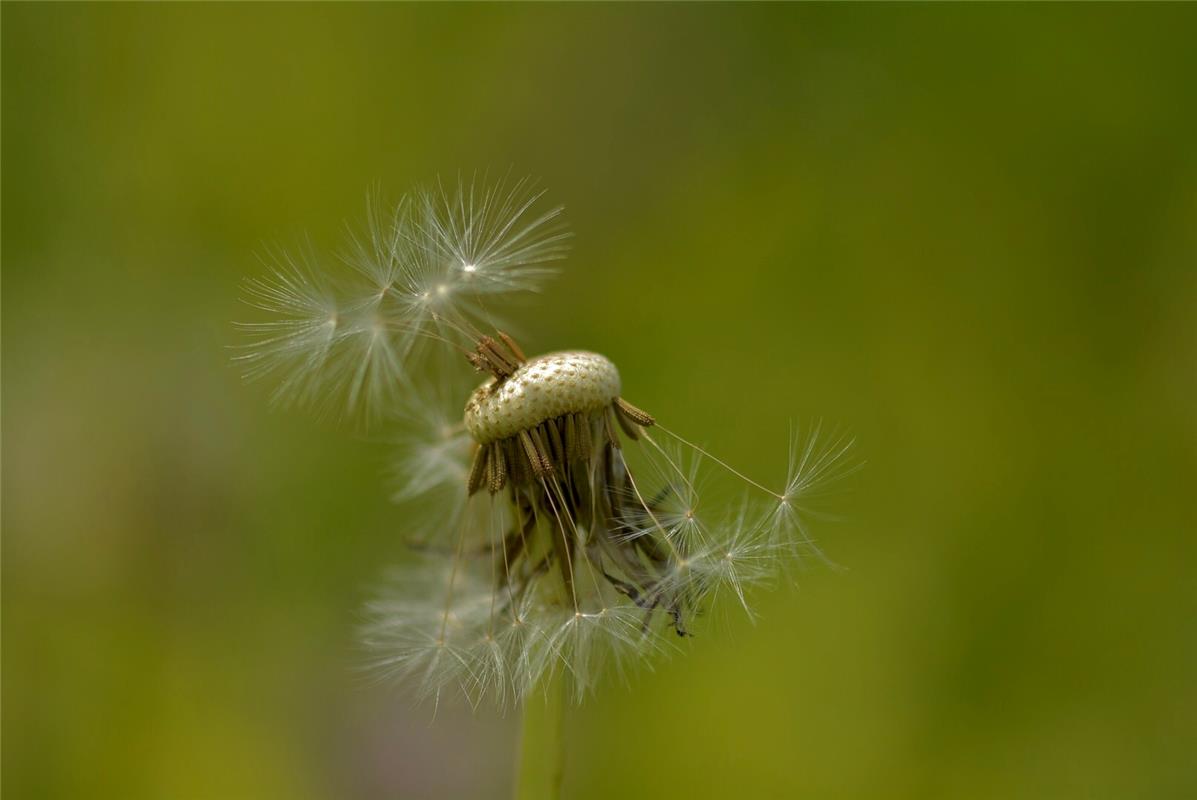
(548, 561)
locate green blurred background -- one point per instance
(967, 234)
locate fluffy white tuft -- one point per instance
(343, 335)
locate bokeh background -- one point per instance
(966, 234)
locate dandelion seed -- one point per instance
(344, 337)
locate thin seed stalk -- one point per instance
(542, 751)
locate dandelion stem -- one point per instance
(542, 752)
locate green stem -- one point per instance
(542, 751)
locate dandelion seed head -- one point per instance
(590, 568)
(538, 548)
(563, 560)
